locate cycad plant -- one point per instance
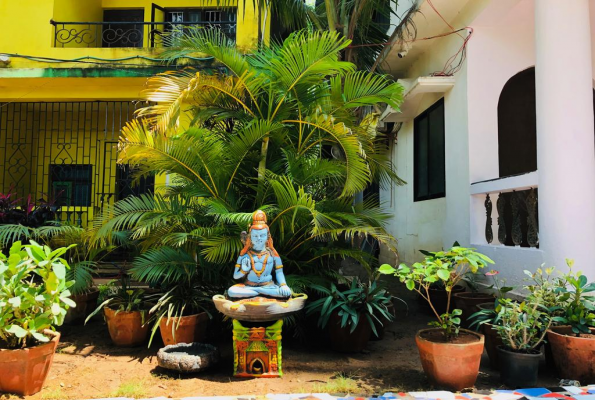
(276, 130)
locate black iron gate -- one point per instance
(65, 153)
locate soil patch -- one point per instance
(437, 336)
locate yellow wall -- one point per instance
(34, 35)
(27, 31)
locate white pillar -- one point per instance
(565, 133)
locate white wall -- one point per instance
(502, 45)
(433, 224)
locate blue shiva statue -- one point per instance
(257, 264)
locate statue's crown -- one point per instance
(259, 220)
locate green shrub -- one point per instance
(34, 293)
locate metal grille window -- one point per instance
(71, 184)
(428, 148)
(46, 148)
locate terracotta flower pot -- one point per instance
(23, 371)
(344, 341)
(468, 302)
(439, 299)
(573, 355)
(192, 328)
(126, 327)
(85, 304)
(492, 341)
(451, 365)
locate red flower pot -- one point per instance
(23, 371)
(452, 365)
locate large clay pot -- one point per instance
(450, 365)
(573, 355)
(126, 327)
(85, 304)
(23, 371)
(189, 329)
(518, 370)
(468, 302)
(344, 341)
(492, 341)
(439, 299)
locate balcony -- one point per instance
(505, 211)
(129, 34)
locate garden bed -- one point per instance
(88, 365)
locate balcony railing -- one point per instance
(506, 211)
(128, 34)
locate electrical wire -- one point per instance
(99, 60)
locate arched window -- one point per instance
(517, 144)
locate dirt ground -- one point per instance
(87, 366)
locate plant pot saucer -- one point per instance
(259, 309)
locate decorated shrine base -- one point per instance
(257, 349)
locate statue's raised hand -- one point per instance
(246, 265)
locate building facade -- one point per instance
(71, 74)
(495, 137)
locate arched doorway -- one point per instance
(517, 131)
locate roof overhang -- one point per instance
(414, 91)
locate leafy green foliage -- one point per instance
(523, 325)
(184, 298)
(361, 300)
(34, 293)
(280, 132)
(579, 307)
(82, 258)
(448, 267)
(120, 296)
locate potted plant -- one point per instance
(82, 258)
(33, 303)
(522, 329)
(352, 314)
(450, 355)
(573, 342)
(468, 302)
(486, 318)
(124, 311)
(181, 314)
(543, 286)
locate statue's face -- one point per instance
(259, 238)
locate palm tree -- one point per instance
(367, 23)
(278, 131)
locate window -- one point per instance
(71, 184)
(428, 154)
(125, 185)
(179, 19)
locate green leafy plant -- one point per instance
(498, 284)
(578, 307)
(522, 326)
(83, 258)
(447, 266)
(181, 299)
(369, 300)
(119, 296)
(34, 293)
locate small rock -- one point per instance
(61, 384)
